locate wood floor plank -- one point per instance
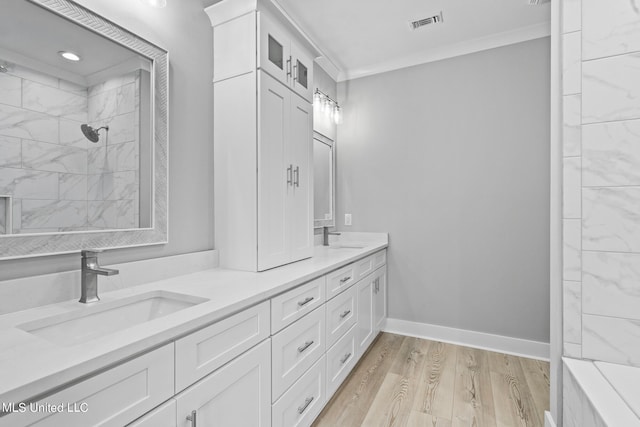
(515, 405)
(420, 419)
(538, 379)
(405, 381)
(394, 400)
(473, 404)
(350, 404)
(435, 392)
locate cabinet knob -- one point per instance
(345, 358)
(305, 346)
(345, 279)
(304, 302)
(297, 175)
(193, 418)
(345, 314)
(290, 175)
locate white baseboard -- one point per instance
(548, 420)
(498, 343)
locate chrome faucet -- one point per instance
(325, 235)
(90, 271)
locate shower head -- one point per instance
(92, 134)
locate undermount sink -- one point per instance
(106, 318)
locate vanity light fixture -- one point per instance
(69, 56)
(155, 3)
(325, 104)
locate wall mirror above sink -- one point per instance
(83, 132)
(324, 181)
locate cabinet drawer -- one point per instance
(204, 351)
(295, 349)
(302, 403)
(292, 305)
(379, 259)
(340, 280)
(112, 398)
(341, 359)
(163, 416)
(341, 315)
(237, 394)
(364, 267)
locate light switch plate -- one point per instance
(347, 219)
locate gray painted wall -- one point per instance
(184, 30)
(452, 159)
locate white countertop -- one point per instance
(31, 366)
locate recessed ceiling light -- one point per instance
(155, 3)
(69, 56)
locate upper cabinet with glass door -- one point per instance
(280, 55)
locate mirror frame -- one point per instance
(30, 245)
(319, 223)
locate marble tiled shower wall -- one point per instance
(59, 181)
(601, 180)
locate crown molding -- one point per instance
(492, 41)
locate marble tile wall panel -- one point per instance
(571, 253)
(571, 15)
(73, 87)
(611, 154)
(611, 284)
(611, 339)
(611, 219)
(123, 157)
(10, 90)
(122, 128)
(32, 125)
(28, 184)
(571, 64)
(114, 102)
(72, 186)
(572, 312)
(3, 215)
(34, 76)
(53, 101)
(611, 89)
(113, 83)
(70, 134)
(572, 350)
(112, 214)
(97, 160)
(39, 214)
(10, 152)
(571, 188)
(17, 215)
(572, 125)
(120, 185)
(53, 157)
(611, 27)
(94, 187)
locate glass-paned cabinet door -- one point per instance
(274, 56)
(302, 72)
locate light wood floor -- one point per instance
(405, 381)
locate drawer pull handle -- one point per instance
(345, 358)
(346, 279)
(192, 418)
(305, 346)
(306, 301)
(345, 314)
(304, 406)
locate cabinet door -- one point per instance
(237, 395)
(302, 71)
(301, 199)
(275, 173)
(380, 300)
(364, 326)
(162, 416)
(274, 54)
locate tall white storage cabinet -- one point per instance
(263, 132)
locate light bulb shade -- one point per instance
(317, 100)
(155, 3)
(337, 115)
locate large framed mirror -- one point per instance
(324, 206)
(83, 132)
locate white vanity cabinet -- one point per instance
(372, 293)
(263, 133)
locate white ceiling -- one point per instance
(362, 37)
(33, 36)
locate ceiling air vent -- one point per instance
(435, 19)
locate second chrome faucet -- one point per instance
(90, 272)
